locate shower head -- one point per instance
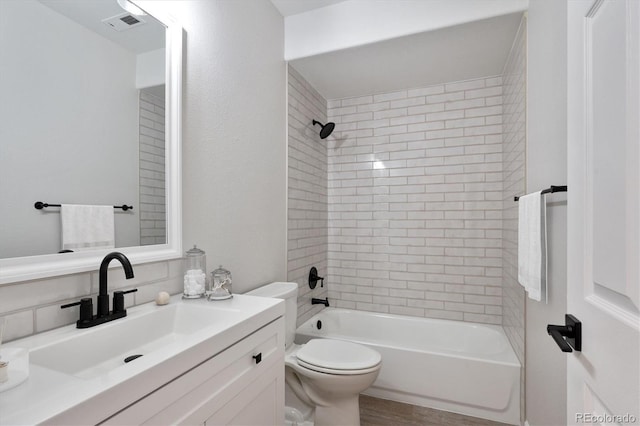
(326, 128)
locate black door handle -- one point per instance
(572, 331)
(257, 358)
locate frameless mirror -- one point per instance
(90, 115)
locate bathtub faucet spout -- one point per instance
(324, 301)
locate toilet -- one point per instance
(325, 374)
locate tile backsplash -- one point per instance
(34, 306)
(415, 201)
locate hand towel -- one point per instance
(87, 227)
(532, 245)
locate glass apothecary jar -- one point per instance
(221, 284)
(195, 273)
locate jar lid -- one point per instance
(221, 271)
(195, 251)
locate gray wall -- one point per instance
(234, 144)
(547, 165)
(234, 166)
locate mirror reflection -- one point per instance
(82, 121)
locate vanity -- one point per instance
(202, 363)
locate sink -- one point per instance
(101, 350)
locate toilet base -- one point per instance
(345, 412)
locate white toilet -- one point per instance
(326, 374)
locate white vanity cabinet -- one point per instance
(242, 385)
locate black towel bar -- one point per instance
(551, 189)
(40, 205)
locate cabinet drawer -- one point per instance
(196, 395)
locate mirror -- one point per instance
(90, 115)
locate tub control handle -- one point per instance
(258, 358)
(572, 331)
(314, 278)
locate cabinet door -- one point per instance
(258, 404)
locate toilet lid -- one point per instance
(338, 355)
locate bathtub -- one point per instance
(455, 366)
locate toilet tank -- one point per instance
(288, 292)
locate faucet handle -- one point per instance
(86, 308)
(118, 300)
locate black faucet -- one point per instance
(103, 295)
(324, 301)
(87, 319)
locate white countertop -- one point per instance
(57, 398)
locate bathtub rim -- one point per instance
(511, 361)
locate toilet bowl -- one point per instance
(327, 375)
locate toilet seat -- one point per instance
(338, 357)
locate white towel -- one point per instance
(87, 227)
(532, 245)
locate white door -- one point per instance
(603, 289)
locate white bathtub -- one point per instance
(456, 366)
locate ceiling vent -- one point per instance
(123, 21)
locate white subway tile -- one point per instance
(445, 97)
(373, 124)
(410, 102)
(431, 90)
(432, 125)
(373, 107)
(446, 115)
(465, 104)
(412, 119)
(391, 130)
(494, 100)
(357, 101)
(17, 325)
(465, 85)
(335, 112)
(425, 109)
(390, 113)
(361, 116)
(392, 96)
(483, 93)
(405, 310)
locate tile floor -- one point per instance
(381, 412)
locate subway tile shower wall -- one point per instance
(513, 165)
(514, 134)
(415, 201)
(307, 210)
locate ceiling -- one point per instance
(293, 7)
(462, 52)
(89, 14)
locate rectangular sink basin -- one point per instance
(100, 350)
